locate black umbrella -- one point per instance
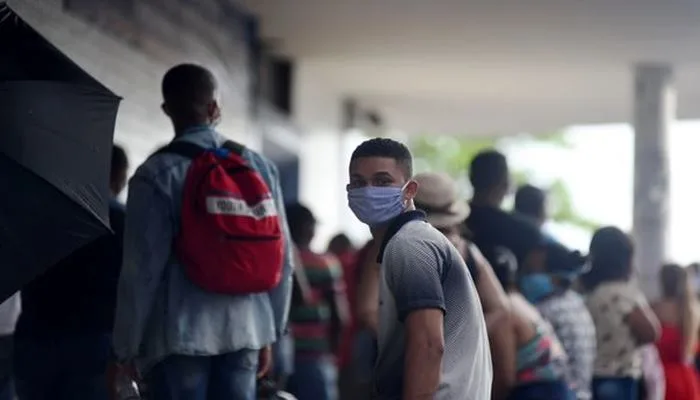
(56, 129)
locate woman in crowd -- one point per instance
(680, 324)
(653, 385)
(364, 350)
(550, 290)
(624, 322)
(537, 359)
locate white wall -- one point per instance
(141, 126)
(325, 156)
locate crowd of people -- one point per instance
(209, 289)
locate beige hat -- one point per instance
(437, 196)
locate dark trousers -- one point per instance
(554, 390)
(62, 368)
(615, 389)
(7, 391)
(229, 376)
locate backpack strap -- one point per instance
(191, 151)
(234, 147)
(182, 148)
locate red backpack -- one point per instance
(230, 238)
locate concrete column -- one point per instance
(318, 111)
(654, 112)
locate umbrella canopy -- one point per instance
(56, 132)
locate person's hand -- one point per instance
(116, 370)
(264, 361)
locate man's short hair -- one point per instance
(488, 169)
(531, 201)
(188, 87)
(120, 163)
(386, 148)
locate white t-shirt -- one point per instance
(9, 312)
(618, 353)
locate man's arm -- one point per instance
(281, 296)
(425, 344)
(493, 298)
(336, 297)
(148, 236)
(413, 273)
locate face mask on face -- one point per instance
(374, 205)
(536, 287)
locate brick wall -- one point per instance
(130, 47)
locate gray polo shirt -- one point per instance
(422, 269)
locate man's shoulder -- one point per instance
(260, 163)
(493, 215)
(416, 233)
(416, 239)
(158, 165)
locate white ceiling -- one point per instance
(489, 66)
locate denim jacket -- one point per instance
(159, 311)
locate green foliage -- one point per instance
(453, 154)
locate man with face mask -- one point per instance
(192, 344)
(432, 337)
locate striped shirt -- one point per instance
(311, 320)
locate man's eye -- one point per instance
(383, 182)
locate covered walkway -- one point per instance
(491, 68)
(305, 80)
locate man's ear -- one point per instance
(411, 189)
(214, 111)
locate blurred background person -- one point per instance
(490, 226)
(67, 314)
(535, 358)
(623, 320)
(531, 202)
(364, 346)
(283, 349)
(342, 247)
(680, 325)
(551, 291)
(694, 269)
(653, 384)
(317, 324)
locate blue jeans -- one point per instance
(230, 376)
(283, 356)
(314, 379)
(555, 390)
(62, 368)
(615, 389)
